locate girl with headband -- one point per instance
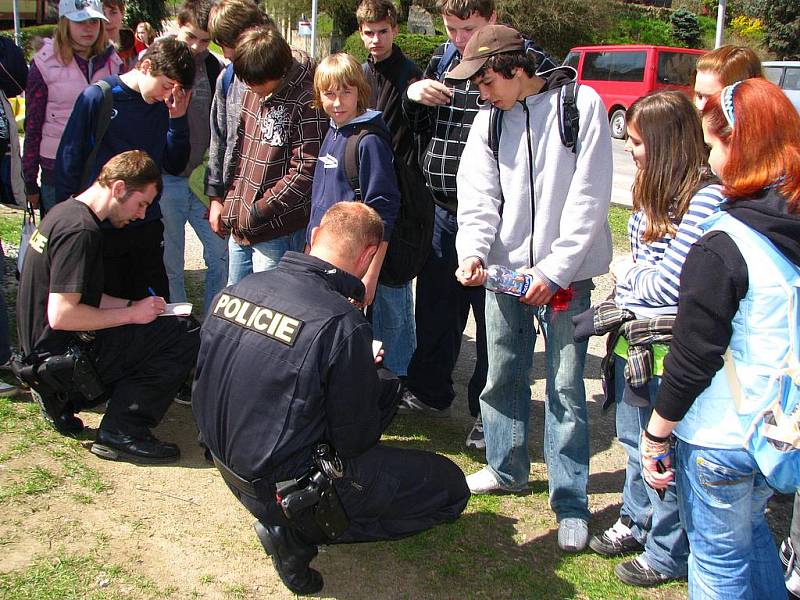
(735, 323)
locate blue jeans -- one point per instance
(47, 198)
(506, 399)
(261, 256)
(722, 498)
(393, 324)
(656, 522)
(442, 311)
(179, 206)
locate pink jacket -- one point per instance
(64, 85)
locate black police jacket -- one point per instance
(286, 362)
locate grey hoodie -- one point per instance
(555, 213)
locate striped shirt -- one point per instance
(651, 287)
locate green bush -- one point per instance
(557, 25)
(418, 48)
(353, 45)
(28, 34)
(640, 30)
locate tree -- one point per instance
(781, 22)
(686, 27)
(343, 15)
(148, 11)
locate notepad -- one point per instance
(177, 309)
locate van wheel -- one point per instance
(617, 122)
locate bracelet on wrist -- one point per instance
(655, 438)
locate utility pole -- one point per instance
(720, 22)
(16, 22)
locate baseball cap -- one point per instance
(81, 10)
(485, 43)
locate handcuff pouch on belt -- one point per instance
(314, 495)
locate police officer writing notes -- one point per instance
(291, 404)
(82, 347)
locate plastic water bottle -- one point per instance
(503, 280)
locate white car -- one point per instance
(786, 74)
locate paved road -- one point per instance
(624, 172)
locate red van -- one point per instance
(621, 74)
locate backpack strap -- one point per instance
(213, 69)
(351, 158)
(100, 128)
(227, 79)
(568, 116)
(495, 129)
(447, 57)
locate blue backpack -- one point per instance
(771, 421)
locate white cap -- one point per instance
(81, 10)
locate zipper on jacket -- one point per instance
(530, 180)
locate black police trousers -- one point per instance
(142, 368)
(388, 493)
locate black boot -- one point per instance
(291, 557)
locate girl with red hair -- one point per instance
(732, 330)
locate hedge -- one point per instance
(417, 47)
(28, 34)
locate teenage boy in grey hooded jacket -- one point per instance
(542, 209)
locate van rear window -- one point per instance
(572, 60)
(614, 66)
(676, 68)
(791, 81)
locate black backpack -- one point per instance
(413, 230)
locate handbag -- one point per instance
(28, 227)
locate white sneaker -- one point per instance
(573, 534)
(483, 482)
(475, 437)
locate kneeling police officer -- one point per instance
(291, 405)
(81, 347)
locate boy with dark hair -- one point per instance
(148, 113)
(278, 138)
(389, 72)
(179, 204)
(443, 115)
(560, 248)
(228, 20)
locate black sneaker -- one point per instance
(637, 572)
(616, 540)
(411, 405)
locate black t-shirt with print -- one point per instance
(64, 255)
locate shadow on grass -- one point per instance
(482, 555)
